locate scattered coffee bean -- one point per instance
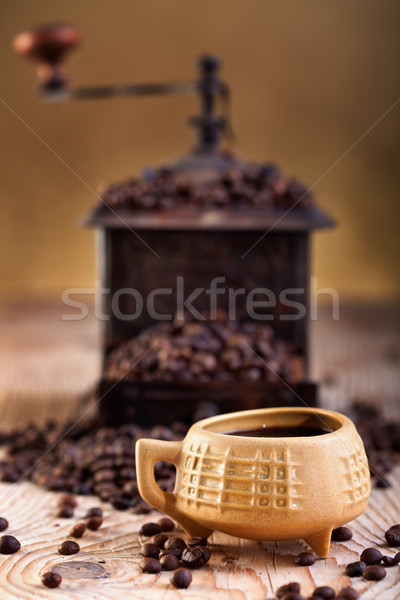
(51, 580)
(67, 500)
(304, 559)
(9, 544)
(68, 547)
(181, 578)
(78, 530)
(293, 596)
(169, 562)
(371, 556)
(196, 541)
(149, 529)
(166, 524)
(121, 503)
(389, 561)
(65, 512)
(374, 573)
(175, 543)
(151, 565)
(94, 512)
(159, 540)
(3, 524)
(195, 557)
(355, 569)
(348, 593)
(392, 536)
(342, 534)
(383, 483)
(293, 586)
(325, 592)
(150, 550)
(176, 553)
(94, 523)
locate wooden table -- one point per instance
(47, 365)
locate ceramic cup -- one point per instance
(261, 488)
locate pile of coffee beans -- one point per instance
(87, 460)
(381, 440)
(172, 553)
(249, 185)
(217, 349)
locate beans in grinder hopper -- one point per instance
(201, 351)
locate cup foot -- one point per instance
(320, 542)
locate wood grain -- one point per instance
(47, 365)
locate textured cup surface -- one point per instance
(258, 487)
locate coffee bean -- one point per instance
(175, 543)
(159, 539)
(383, 483)
(166, 524)
(67, 500)
(195, 557)
(94, 523)
(169, 562)
(293, 586)
(50, 579)
(149, 529)
(181, 578)
(150, 550)
(176, 553)
(371, 556)
(324, 592)
(304, 559)
(390, 561)
(65, 512)
(392, 536)
(94, 512)
(121, 503)
(293, 596)
(355, 569)
(68, 547)
(342, 534)
(374, 573)
(151, 565)
(9, 544)
(196, 541)
(348, 593)
(78, 530)
(3, 524)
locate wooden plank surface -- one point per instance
(47, 365)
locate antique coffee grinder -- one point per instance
(206, 261)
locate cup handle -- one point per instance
(148, 452)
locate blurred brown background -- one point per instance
(309, 79)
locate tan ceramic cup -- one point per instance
(282, 488)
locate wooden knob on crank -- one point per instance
(48, 45)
